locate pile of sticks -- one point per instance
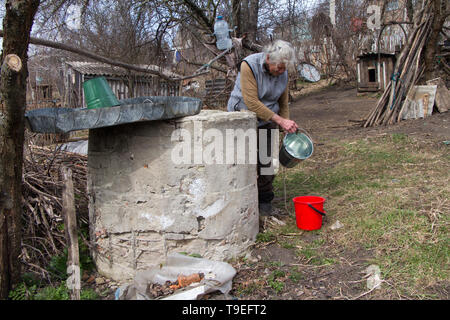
(407, 71)
(43, 232)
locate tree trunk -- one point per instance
(440, 13)
(247, 18)
(253, 11)
(17, 25)
(236, 14)
(410, 10)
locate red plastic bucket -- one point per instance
(309, 212)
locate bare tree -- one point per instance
(17, 25)
(125, 31)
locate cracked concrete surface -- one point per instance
(144, 206)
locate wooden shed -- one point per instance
(217, 92)
(374, 71)
(124, 84)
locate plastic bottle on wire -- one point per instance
(221, 31)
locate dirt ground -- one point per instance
(330, 114)
(333, 113)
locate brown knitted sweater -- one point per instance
(250, 93)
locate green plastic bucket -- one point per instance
(98, 94)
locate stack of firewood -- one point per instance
(43, 229)
(407, 71)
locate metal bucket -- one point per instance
(296, 146)
(98, 94)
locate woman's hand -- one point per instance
(287, 125)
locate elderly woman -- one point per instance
(262, 87)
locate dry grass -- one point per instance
(391, 194)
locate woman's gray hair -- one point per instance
(280, 51)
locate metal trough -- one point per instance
(63, 120)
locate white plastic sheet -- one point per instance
(218, 277)
(80, 147)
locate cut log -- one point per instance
(13, 62)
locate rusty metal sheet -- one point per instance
(419, 102)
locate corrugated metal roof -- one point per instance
(103, 69)
(375, 54)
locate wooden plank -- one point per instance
(368, 89)
(215, 81)
(70, 220)
(368, 86)
(215, 88)
(442, 95)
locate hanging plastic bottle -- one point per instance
(221, 31)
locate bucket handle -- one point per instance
(318, 211)
(306, 133)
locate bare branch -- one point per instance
(199, 15)
(61, 46)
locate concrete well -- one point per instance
(144, 205)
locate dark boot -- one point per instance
(265, 209)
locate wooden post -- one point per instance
(70, 220)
